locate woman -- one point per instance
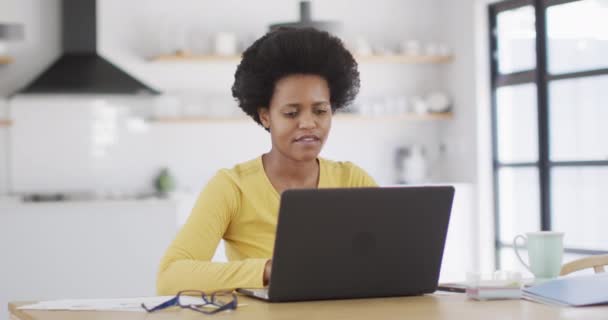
(290, 81)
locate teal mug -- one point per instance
(545, 251)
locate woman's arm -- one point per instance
(187, 262)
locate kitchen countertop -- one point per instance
(12, 202)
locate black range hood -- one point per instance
(80, 69)
(307, 22)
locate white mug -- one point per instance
(545, 250)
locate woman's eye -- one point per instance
(321, 111)
(290, 114)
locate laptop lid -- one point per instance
(359, 242)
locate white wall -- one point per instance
(39, 48)
(103, 147)
(458, 27)
(4, 157)
(458, 24)
(484, 182)
(41, 45)
(130, 32)
(465, 28)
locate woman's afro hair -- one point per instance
(288, 51)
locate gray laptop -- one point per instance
(357, 243)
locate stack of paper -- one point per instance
(571, 291)
(126, 304)
(494, 289)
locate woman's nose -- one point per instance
(307, 120)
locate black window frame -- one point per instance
(541, 77)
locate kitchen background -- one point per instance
(106, 150)
(131, 34)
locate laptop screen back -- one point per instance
(362, 242)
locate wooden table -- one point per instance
(439, 306)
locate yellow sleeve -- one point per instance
(360, 178)
(187, 262)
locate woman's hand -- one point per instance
(267, 271)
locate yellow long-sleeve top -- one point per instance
(239, 205)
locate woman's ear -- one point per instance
(264, 115)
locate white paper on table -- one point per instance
(126, 304)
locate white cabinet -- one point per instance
(82, 249)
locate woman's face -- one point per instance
(299, 116)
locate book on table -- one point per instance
(576, 291)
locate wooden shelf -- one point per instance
(337, 117)
(5, 123)
(193, 119)
(195, 58)
(395, 117)
(404, 59)
(394, 58)
(6, 60)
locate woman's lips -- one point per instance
(308, 140)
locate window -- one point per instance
(549, 62)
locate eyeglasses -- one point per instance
(199, 301)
